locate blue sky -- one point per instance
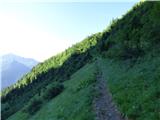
(40, 30)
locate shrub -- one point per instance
(33, 106)
(53, 90)
(85, 83)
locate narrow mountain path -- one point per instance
(104, 107)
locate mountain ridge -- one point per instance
(13, 67)
(29, 62)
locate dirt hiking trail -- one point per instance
(104, 107)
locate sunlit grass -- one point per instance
(74, 103)
(135, 86)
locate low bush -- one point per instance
(33, 106)
(53, 90)
(85, 83)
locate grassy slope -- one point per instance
(135, 86)
(74, 103)
(57, 68)
(133, 83)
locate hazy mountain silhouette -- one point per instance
(13, 67)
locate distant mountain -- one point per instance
(13, 67)
(9, 58)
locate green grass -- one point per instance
(74, 103)
(135, 86)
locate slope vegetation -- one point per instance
(129, 48)
(58, 68)
(72, 104)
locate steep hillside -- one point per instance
(74, 103)
(58, 68)
(62, 87)
(135, 86)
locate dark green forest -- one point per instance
(129, 54)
